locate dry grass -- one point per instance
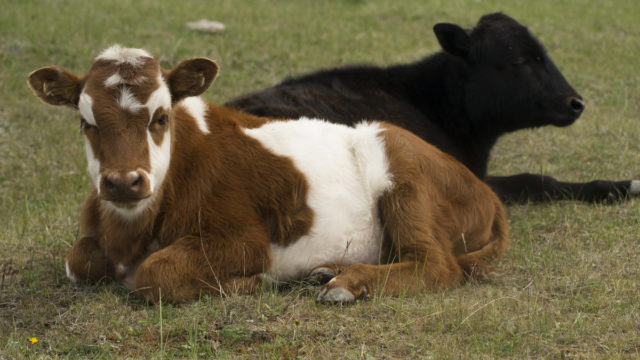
(570, 286)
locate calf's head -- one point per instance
(510, 79)
(124, 102)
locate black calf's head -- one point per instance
(512, 82)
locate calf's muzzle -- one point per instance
(125, 187)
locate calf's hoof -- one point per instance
(320, 275)
(336, 295)
(634, 188)
(340, 291)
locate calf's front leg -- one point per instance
(86, 262)
(195, 265)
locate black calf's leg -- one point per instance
(532, 187)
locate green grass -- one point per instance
(571, 276)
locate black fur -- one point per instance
(491, 80)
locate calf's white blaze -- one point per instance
(85, 106)
(197, 108)
(120, 55)
(347, 172)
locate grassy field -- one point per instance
(571, 281)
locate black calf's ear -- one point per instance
(56, 86)
(453, 39)
(191, 78)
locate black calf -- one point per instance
(491, 80)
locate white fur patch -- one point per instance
(634, 189)
(121, 55)
(159, 155)
(116, 79)
(93, 164)
(132, 213)
(159, 158)
(128, 101)
(121, 269)
(197, 108)
(70, 275)
(151, 180)
(85, 106)
(132, 173)
(347, 171)
(161, 97)
(113, 80)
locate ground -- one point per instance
(570, 278)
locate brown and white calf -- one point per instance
(193, 198)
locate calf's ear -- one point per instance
(191, 77)
(453, 39)
(56, 86)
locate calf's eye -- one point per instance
(84, 125)
(162, 120)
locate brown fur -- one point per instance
(226, 198)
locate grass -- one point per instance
(571, 276)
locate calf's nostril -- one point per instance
(577, 105)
